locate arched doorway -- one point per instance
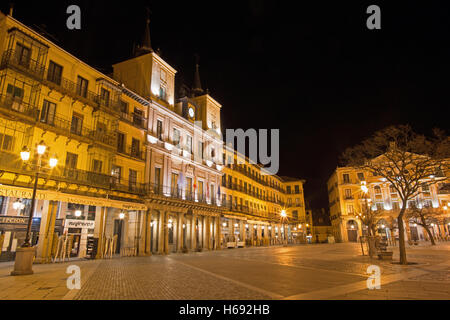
(352, 231)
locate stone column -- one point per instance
(143, 217)
(166, 232)
(242, 230)
(161, 231)
(206, 232)
(46, 232)
(180, 222)
(218, 233)
(193, 232)
(99, 230)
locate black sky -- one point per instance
(312, 70)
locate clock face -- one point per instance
(191, 112)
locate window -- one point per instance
(288, 189)
(6, 142)
(201, 147)
(159, 129)
(54, 73)
(132, 179)
(297, 189)
(201, 195)
(295, 214)
(174, 184)
(135, 146)
(377, 190)
(213, 153)
(348, 193)
(189, 144)
(346, 178)
(297, 202)
(77, 124)
(379, 206)
(392, 189)
(71, 160)
(23, 54)
(425, 187)
(189, 195)
(123, 107)
(82, 86)
(138, 117)
(361, 176)
(104, 95)
(350, 209)
(116, 173)
(120, 142)
(97, 166)
(176, 137)
(162, 93)
(48, 112)
(157, 176)
(15, 92)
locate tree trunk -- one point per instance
(401, 238)
(433, 243)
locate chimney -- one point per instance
(11, 9)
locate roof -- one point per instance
(291, 179)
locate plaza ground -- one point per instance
(298, 272)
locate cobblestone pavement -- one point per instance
(329, 271)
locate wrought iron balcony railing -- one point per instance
(19, 107)
(132, 152)
(12, 58)
(180, 194)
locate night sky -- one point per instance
(313, 71)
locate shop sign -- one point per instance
(13, 220)
(83, 224)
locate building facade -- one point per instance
(346, 198)
(140, 171)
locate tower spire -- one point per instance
(197, 83)
(146, 45)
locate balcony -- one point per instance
(12, 163)
(65, 127)
(233, 206)
(14, 59)
(132, 152)
(70, 88)
(18, 108)
(177, 193)
(134, 119)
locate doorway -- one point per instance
(118, 226)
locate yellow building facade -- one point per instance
(138, 171)
(254, 202)
(346, 199)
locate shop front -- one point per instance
(79, 223)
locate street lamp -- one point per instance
(25, 253)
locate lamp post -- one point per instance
(25, 253)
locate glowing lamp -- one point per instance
(53, 162)
(25, 154)
(41, 148)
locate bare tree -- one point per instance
(424, 216)
(406, 160)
